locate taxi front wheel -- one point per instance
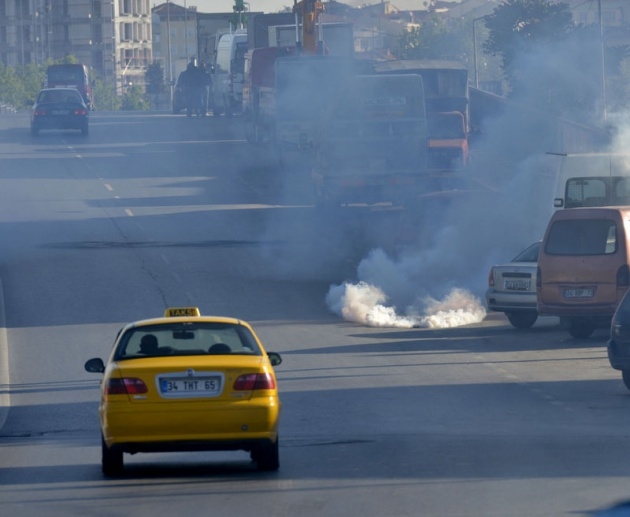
(112, 461)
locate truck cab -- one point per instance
(228, 76)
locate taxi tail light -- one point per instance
(491, 277)
(126, 386)
(623, 276)
(255, 381)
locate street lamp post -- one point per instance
(168, 43)
(601, 37)
(474, 34)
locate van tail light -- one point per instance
(255, 381)
(126, 386)
(623, 276)
(538, 277)
(491, 277)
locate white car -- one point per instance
(512, 288)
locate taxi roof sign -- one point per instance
(174, 312)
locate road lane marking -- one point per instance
(129, 212)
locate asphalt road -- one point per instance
(156, 210)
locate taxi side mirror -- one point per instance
(274, 358)
(95, 365)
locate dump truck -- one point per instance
(370, 143)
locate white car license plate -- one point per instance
(190, 386)
(517, 285)
(59, 112)
(578, 293)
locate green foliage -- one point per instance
(516, 26)
(134, 100)
(19, 85)
(105, 98)
(155, 78)
(436, 39)
(239, 19)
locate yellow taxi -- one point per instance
(186, 382)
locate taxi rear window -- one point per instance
(187, 339)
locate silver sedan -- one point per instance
(512, 288)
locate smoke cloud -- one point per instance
(441, 283)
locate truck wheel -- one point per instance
(581, 328)
(522, 319)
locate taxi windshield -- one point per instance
(194, 338)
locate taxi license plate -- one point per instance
(517, 285)
(189, 386)
(578, 293)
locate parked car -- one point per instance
(59, 108)
(619, 341)
(512, 288)
(584, 267)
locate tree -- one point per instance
(550, 62)
(105, 98)
(518, 26)
(134, 100)
(155, 78)
(238, 19)
(435, 39)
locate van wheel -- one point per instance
(581, 328)
(625, 377)
(522, 320)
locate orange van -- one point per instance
(583, 267)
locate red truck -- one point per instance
(259, 91)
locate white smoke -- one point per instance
(365, 303)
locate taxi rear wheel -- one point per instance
(112, 461)
(267, 456)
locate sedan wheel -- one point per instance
(625, 376)
(522, 320)
(112, 461)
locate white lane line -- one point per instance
(129, 212)
(5, 398)
(109, 187)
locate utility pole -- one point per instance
(601, 39)
(168, 42)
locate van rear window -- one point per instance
(582, 237)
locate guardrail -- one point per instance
(7, 109)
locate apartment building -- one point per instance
(174, 37)
(113, 37)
